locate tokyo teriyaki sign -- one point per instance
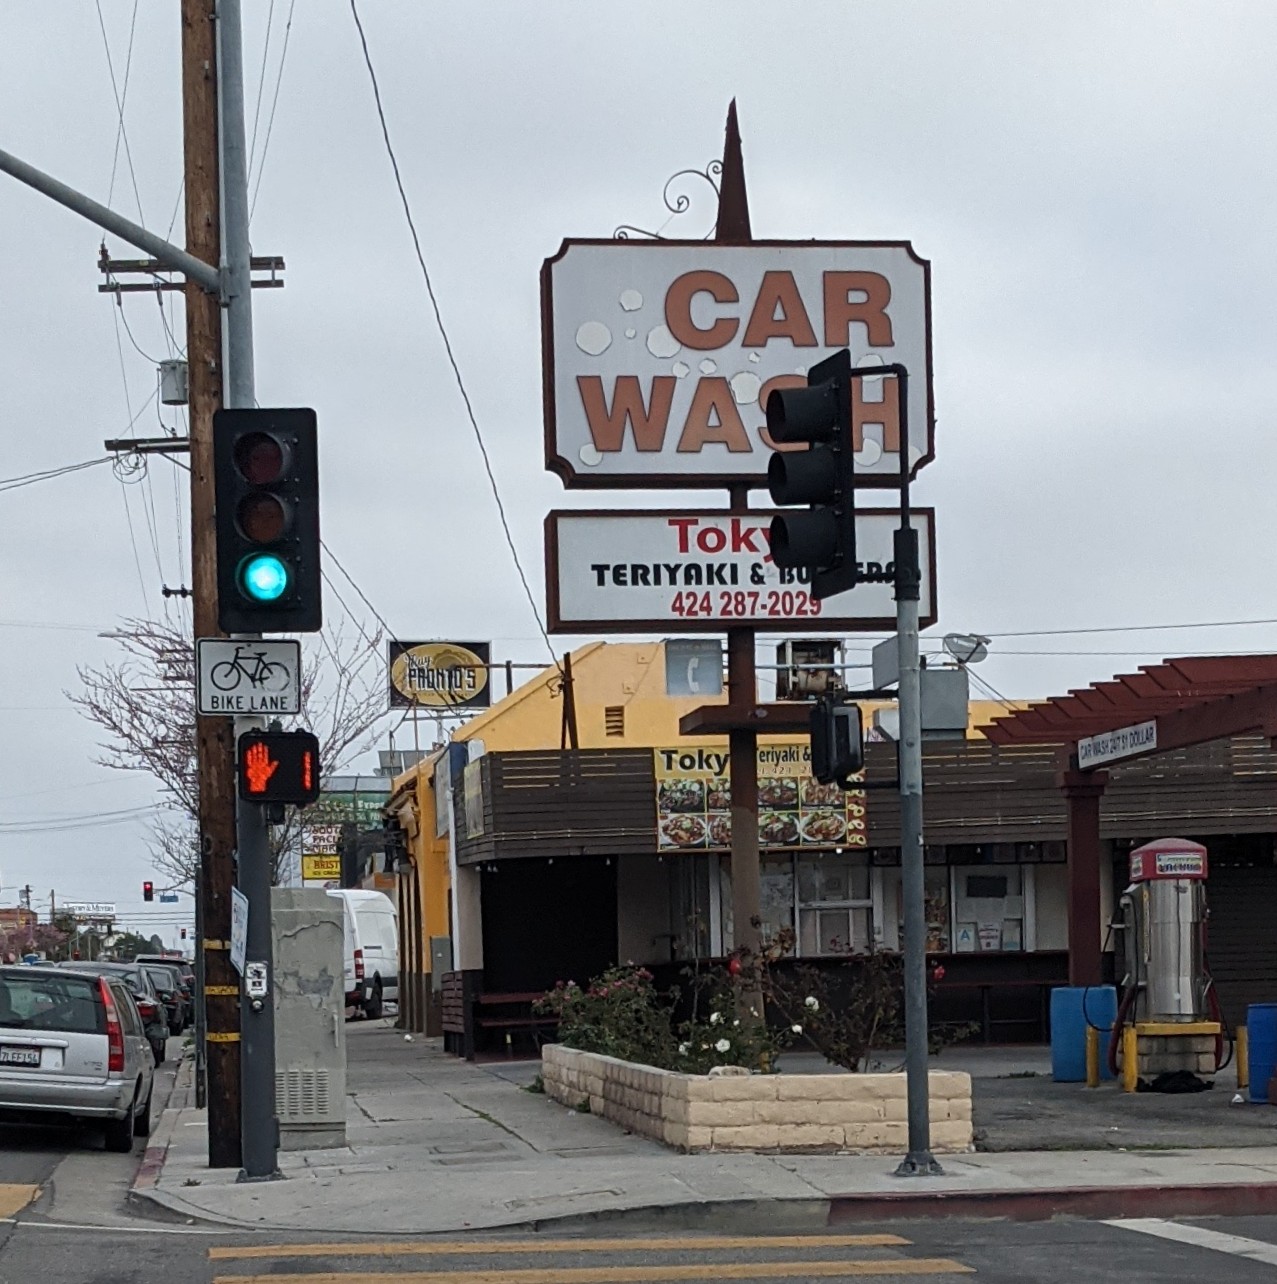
(707, 570)
(659, 356)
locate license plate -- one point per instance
(19, 1056)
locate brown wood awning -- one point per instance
(1193, 699)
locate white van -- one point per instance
(370, 935)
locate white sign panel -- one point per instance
(693, 667)
(239, 929)
(240, 678)
(1122, 743)
(659, 356)
(706, 571)
(87, 910)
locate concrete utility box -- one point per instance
(310, 1020)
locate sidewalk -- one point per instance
(438, 1145)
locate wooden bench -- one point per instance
(522, 1020)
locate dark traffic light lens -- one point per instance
(260, 458)
(263, 517)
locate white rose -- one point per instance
(797, 1029)
(812, 1002)
(715, 1018)
(723, 1045)
(682, 1049)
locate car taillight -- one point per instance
(114, 1030)
(359, 965)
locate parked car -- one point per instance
(149, 1005)
(168, 985)
(370, 939)
(186, 973)
(72, 1047)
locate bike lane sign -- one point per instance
(247, 677)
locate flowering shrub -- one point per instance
(619, 1014)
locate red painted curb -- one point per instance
(1241, 1199)
(149, 1169)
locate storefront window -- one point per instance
(835, 911)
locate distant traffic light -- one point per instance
(837, 741)
(183, 933)
(266, 478)
(823, 539)
(148, 891)
(278, 767)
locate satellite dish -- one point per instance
(966, 648)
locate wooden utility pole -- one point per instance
(215, 748)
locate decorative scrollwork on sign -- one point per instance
(679, 202)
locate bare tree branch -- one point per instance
(144, 703)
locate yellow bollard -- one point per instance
(1130, 1059)
(1092, 1057)
(1241, 1051)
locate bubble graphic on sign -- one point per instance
(708, 365)
(590, 455)
(745, 387)
(802, 370)
(914, 455)
(869, 453)
(661, 343)
(631, 300)
(681, 369)
(631, 332)
(594, 338)
(868, 361)
(753, 356)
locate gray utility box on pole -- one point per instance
(310, 1019)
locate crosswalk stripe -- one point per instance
(483, 1248)
(655, 1274)
(14, 1198)
(1255, 1250)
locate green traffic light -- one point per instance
(264, 578)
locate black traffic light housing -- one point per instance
(148, 891)
(278, 767)
(823, 539)
(837, 741)
(266, 483)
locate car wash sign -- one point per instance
(659, 356)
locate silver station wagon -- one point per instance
(72, 1047)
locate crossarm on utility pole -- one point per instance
(160, 249)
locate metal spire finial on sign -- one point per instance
(733, 201)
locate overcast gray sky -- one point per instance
(1090, 181)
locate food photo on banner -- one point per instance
(795, 811)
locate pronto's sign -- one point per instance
(659, 356)
(642, 571)
(440, 675)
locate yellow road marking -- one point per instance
(670, 1274)
(13, 1199)
(480, 1248)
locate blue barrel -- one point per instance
(1261, 1059)
(1073, 1008)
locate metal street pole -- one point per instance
(919, 1161)
(259, 1125)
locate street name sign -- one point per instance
(659, 356)
(704, 571)
(1109, 746)
(243, 678)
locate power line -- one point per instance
(1133, 628)
(447, 343)
(363, 597)
(30, 479)
(121, 134)
(270, 123)
(261, 85)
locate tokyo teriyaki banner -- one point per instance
(693, 800)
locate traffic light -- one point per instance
(148, 891)
(823, 539)
(837, 741)
(278, 767)
(183, 933)
(266, 482)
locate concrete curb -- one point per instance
(1238, 1199)
(161, 1138)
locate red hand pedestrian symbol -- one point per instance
(259, 767)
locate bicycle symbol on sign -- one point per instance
(252, 667)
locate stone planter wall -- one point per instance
(855, 1112)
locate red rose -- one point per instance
(733, 966)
